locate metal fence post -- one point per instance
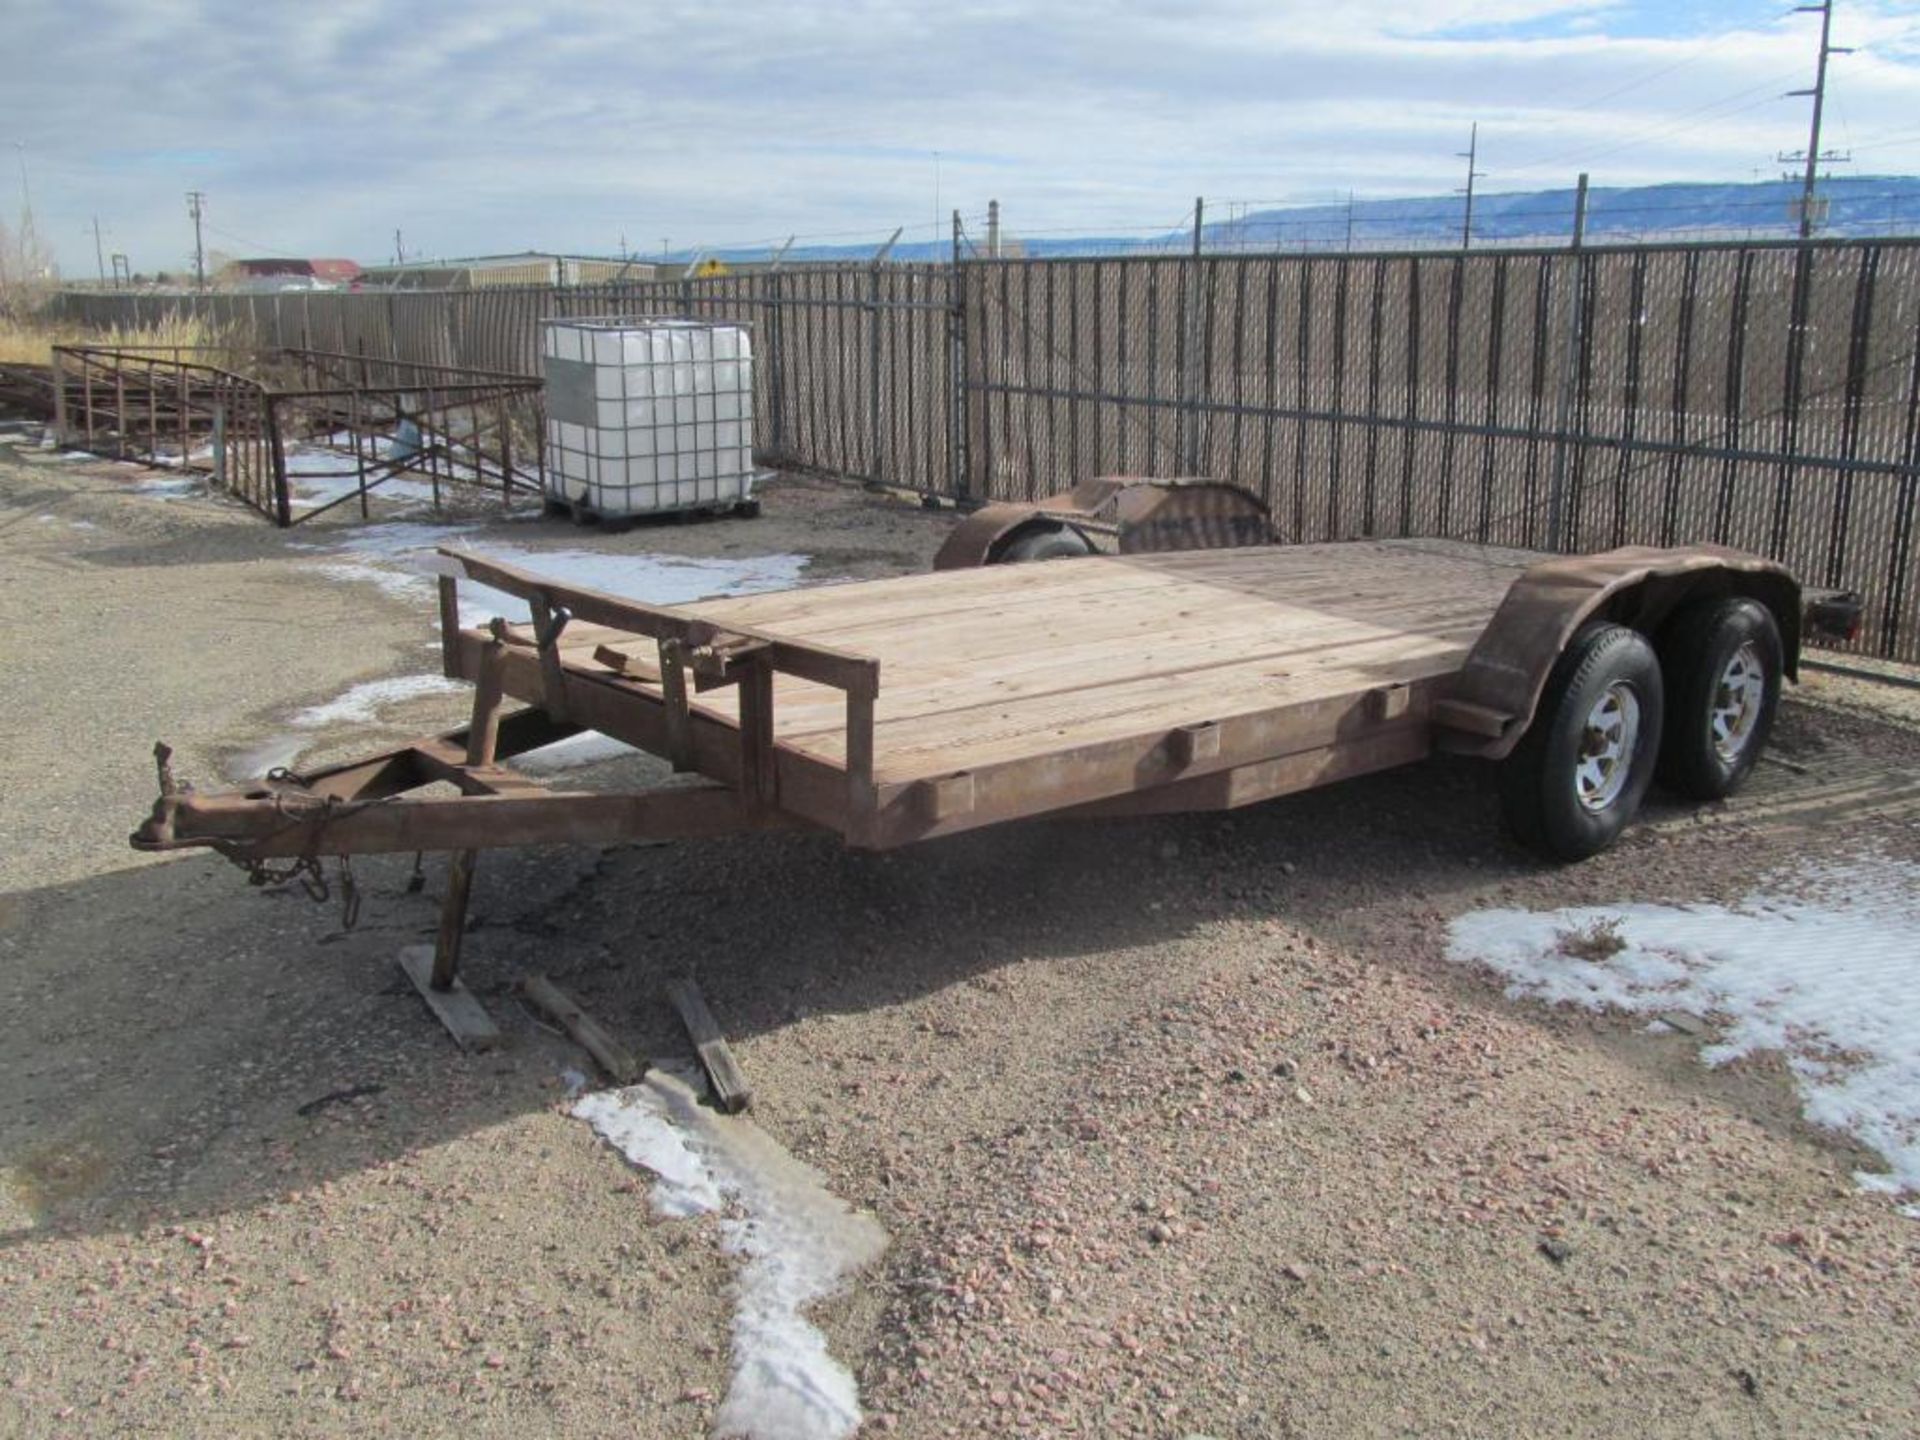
(282, 498)
(1189, 424)
(776, 382)
(959, 466)
(873, 374)
(1563, 411)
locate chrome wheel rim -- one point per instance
(1737, 698)
(1607, 743)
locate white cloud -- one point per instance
(491, 126)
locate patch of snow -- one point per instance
(363, 701)
(275, 752)
(1822, 971)
(170, 459)
(574, 1081)
(576, 752)
(395, 541)
(171, 489)
(400, 584)
(401, 559)
(651, 579)
(796, 1242)
(319, 476)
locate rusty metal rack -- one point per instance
(232, 414)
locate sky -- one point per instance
(484, 127)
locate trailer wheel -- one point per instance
(1043, 542)
(1722, 660)
(1577, 777)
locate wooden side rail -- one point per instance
(712, 656)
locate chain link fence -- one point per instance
(1764, 395)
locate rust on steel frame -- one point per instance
(161, 403)
(345, 809)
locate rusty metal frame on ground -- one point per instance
(477, 429)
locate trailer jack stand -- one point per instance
(435, 970)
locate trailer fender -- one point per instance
(1489, 704)
(979, 539)
(1138, 514)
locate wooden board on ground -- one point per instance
(730, 1088)
(464, 1016)
(613, 1057)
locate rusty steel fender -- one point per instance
(1487, 706)
(1138, 515)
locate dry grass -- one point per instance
(1598, 941)
(31, 341)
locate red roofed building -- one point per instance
(277, 272)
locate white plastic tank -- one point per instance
(647, 416)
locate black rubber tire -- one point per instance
(1043, 542)
(1537, 791)
(1695, 649)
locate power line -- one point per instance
(1665, 127)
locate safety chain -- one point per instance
(301, 807)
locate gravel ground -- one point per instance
(1179, 1127)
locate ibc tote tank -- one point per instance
(648, 416)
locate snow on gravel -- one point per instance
(318, 475)
(651, 579)
(362, 702)
(797, 1245)
(1822, 970)
(574, 753)
(400, 559)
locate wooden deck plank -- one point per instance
(922, 681)
(921, 603)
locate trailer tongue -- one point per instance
(1114, 684)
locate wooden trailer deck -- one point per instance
(1194, 679)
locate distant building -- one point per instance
(529, 267)
(283, 273)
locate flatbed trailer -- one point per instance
(895, 711)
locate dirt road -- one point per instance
(1178, 1128)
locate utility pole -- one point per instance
(196, 202)
(1349, 222)
(1470, 154)
(99, 255)
(399, 252)
(1812, 156)
(993, 229)
(28, 246)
